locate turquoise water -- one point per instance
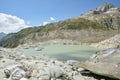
(65, 52)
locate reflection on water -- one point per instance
(64, 52)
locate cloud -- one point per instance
(45, 22)
(52, 19)
(10, 23)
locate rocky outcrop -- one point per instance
(107, 15)
(105, 7)
(17, 66)
(105, 62)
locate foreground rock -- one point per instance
(106, 63)
(17, 66)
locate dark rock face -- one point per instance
(111, 22)
(105, 7)
(105, 62)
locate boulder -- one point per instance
(14, 72)
(47, 72)
(74, 75)
(23, 79)
(16, 66)
(105, 63)
(5, 62)
(72, 62)
(2, 75)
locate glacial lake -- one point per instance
(64, 52)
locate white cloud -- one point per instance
(52, 19)
(49, 21)
(9, 23)
(45, 22)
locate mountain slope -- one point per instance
(107, 15)
(91, 27)
(2, 35)
(71, 24)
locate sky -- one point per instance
(18, 14)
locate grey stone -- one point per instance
(14, 72)
(105, 63)
(72, 62)
(24, 79)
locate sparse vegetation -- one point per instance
(70, 24)
(105, 18)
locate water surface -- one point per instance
(64, 52)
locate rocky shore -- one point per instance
(105, 62)
(18, 66)
(15, 65)
(108, 43)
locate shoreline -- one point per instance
(28, 65)
(13, 58)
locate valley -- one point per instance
(86, 47)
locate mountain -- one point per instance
(107, 15)
(91, 27)
(2, 35)
(60, 30)
(105, 7)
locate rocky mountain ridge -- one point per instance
(91, 27)
(107, 15)
(69, 29)
(105, 7)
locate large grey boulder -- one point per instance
(46, 72)
(15, 72)
(2, 75)
(105, 62)
(5, 62)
